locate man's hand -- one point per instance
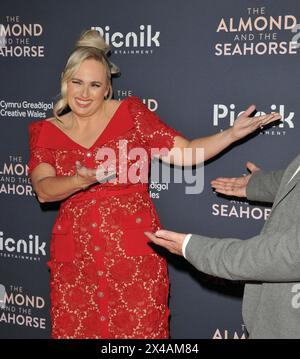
(235, 186)
(172, 241)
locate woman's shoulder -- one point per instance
(62, 120)
(39, 124)
(50, 119)
(128, 99)
(130, 103)
(36, 127)
(42, 132)
(136, 106)
(36, 124)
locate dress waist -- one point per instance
(107, 192)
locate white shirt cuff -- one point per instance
(185, 242)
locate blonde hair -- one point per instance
(89, 46)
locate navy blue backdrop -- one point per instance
(198, 68)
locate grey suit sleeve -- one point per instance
(263, 186)
(271, 257)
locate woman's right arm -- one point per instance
(52, 188)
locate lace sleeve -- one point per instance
(38, 154)
(153, 132)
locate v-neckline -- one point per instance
(98, 137)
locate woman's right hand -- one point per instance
(235, 186)
(85, 176)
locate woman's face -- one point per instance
(87, 88)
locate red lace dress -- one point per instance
(106, 281)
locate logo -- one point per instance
(142, 41)
(20, 39)
(297, 36)
(138, 169)
(155, 188)
(30, 248)
(241, 210)
(21, 308)
(226, 334)
(25, 109)
(14, 178)
(226, 114)
(257, 32)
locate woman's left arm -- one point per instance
(214, 144)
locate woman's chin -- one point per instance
(82, 112)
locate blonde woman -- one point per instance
(106, 281)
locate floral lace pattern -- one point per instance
(106, 280)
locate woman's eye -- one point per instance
(95, 85)
(75, 82)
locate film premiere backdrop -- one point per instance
(192, 62)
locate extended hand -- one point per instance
(244, 125)
(85, 176)
(235, 186)
(172, 241)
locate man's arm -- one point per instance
(270, 257)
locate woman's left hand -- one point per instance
(244, 125)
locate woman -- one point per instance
(106, 281)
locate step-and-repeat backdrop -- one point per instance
(198, 64)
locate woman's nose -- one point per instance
(85, 91)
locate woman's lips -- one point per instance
(82, 102)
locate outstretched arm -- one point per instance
(272, 257)
(214, 144)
